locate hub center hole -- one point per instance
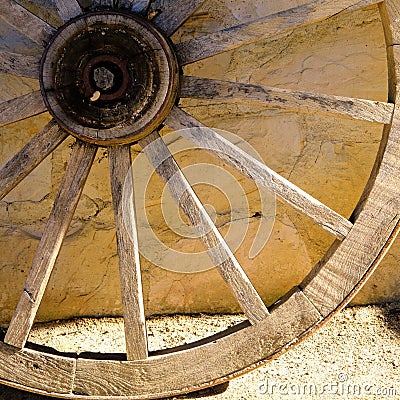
(106, 77)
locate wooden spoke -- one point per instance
(229, 268)
(19, 64)
(25, 22)
(172, 14)
(101, 3)
(216, 358)
(128, 253)
(56, 228)
(68, 9)
(268, 332)
(140, 6)
(232, 92)
(21, 107)
(271, 25)
(287, 191)
(30, 157)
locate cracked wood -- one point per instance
(218, 358)
(271, 25)
(46, 255)
(21, 108)
(294, 100)
(26, 160)
(128, 253)
(19, 64)
(67, 9)
(220, 253)
(208, 139)
(170, 15)
(25, 22)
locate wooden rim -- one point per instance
(361, 243)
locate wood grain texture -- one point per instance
(206, 138)
(218, 250)
(128, 254)
(56, 228)
(293, 100)
(19, 64)
(25, 22)
(21, 108)
(332, 281)
(196, 368)
(271, 25)
(140, 6)
(390, 15)
(102, 4)
(390, 18)
(170, 15)
(67, 9)
(338, 277)
(158, 94)
(43, 372)
(30, 157)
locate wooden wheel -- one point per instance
(108, 98)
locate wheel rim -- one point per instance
(360, 245)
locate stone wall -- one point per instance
(329, 157)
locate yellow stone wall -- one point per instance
(329, 157)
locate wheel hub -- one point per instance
(108, 75)
(109, 78)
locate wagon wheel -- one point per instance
(81, 86)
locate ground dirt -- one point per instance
(355, 355)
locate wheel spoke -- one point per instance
(243, 162)
(25, 22)
(56, 228)
(104, 4)
(19, 64)
(229, 268)
(140, 6)
(172, 14)
(30, 157)
(232, 92)
(128, 253)
(268, 26)
(21, 107)
(68, 9)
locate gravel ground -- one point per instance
(355, 356)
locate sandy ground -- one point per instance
(355, 356)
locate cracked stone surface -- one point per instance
(329, 157)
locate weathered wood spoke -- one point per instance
(207, 138)
(229, 268)
(30, 157)
(21, 107)
(67, 9)
(172, 14)
(128, 253)
(293, 100)
(19, 64)
(25, 22)
(271, 25)
(140, 6)
(53, 236)
(102, 3)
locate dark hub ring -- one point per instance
(108, 75)
(109, 78)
